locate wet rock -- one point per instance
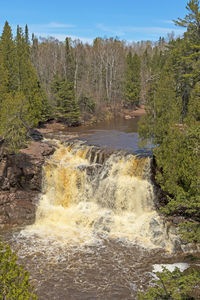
(21, 182)
(177, 245)
(190, 248)
(35, 135)
(153, 224)
(157, 234)
(160, 243)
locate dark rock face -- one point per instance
(20, 183)
(35, 135)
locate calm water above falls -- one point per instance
(113, 134)
(96, 234)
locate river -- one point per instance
(97, 234)
(117, 133)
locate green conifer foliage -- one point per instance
(162, 109)
(173, 123)
(23, 103)
(179, 168)
(189, 49)
(26, 35)
(175, 285)
(3, 79)
(193, 115)
(191, 20)
(69, 60)
(14, 280)
(14, 121)
(8, 51)
(66, 103)
(132, 85)
(28, 81)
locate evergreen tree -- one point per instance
(14, 280)
(66, 103)
(191, 20)
(26, 35)
(132, 86)
(14, 122)
(178, 170)
(28, 81)
(8, 51)
(193, 115)
(162, 108)
(172, 121)
(23, 103)
(69, 61)
(190, 48)
(181, 68)
(3, 79)
(175, 285)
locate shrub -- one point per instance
(14, 280)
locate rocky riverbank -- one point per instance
(20, 183)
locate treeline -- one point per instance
(107, 74)
(69, 81)
(172, 122)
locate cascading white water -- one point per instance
(88, 195)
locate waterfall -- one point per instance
(91, 194)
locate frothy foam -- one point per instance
(84, 201)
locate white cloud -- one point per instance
(58, 25)
(50, 26)
(123, 30)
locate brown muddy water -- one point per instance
(108, 270)
(116, 133)
(96, 234)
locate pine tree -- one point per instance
(162, 108)
(66, 103)
(3, 79)
(14, 280)
(132, 86)
(173, 119)
(191, 20)
(8, 51)
(175, 285)
(14, 122)
(193, 116)
(190, 58)
(28, 81)
(23, 103)
(69, 61)
(26, 35)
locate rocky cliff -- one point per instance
(20, 182)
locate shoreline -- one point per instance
(53, 125)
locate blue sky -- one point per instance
(131, 20)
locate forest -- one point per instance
(44, 79)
